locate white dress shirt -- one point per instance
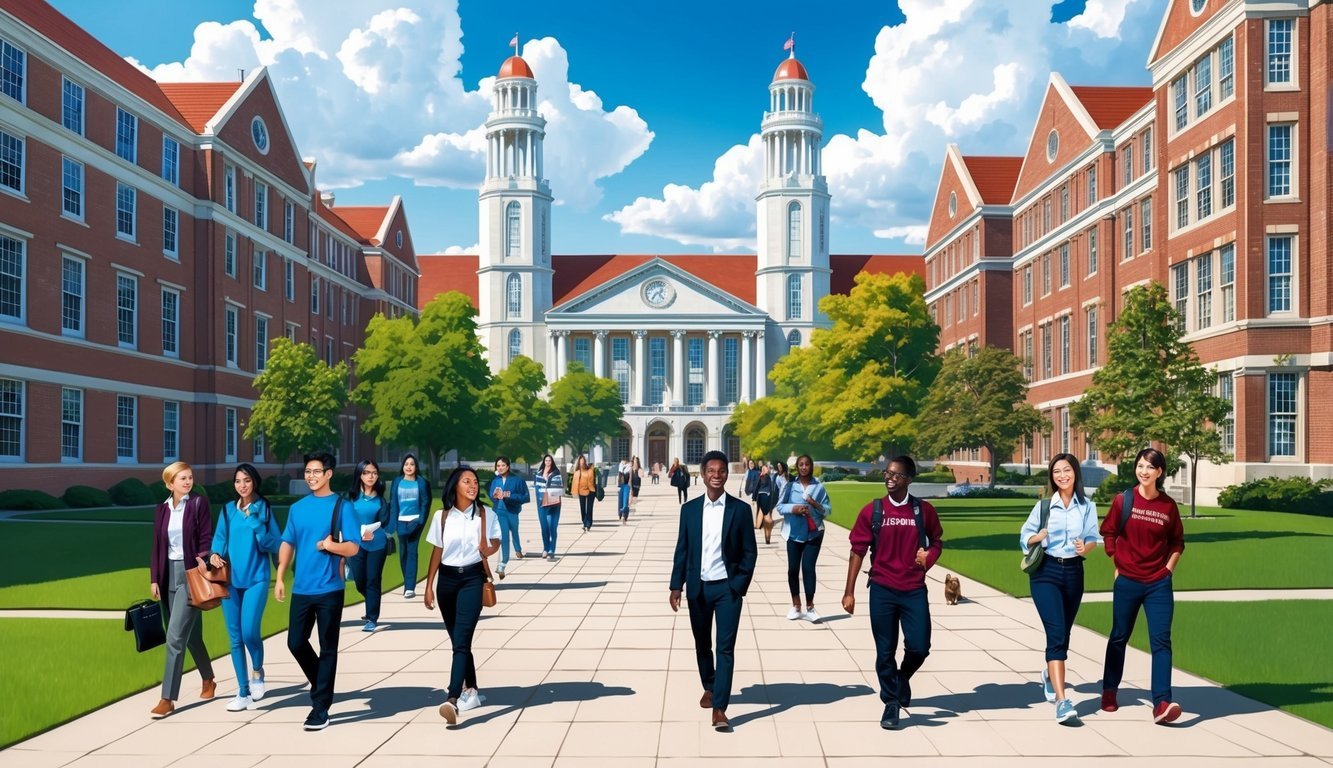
(711, 565)
(176, 529)
(459, 534)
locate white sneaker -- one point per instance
(240, 704)
(471, 699)
(257, 689)
(810, 615)
(409, 594)
(793, 614)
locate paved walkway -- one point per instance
(584, 664)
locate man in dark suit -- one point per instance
(714, 562)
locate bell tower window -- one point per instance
(794, 231)
(513, 230)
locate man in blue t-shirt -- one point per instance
(316, 537)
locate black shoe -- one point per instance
(904, 692)
(316, 720)
(889, 720)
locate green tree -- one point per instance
(1153, 388)
(978, 402)
(425, 381)
(300, 398)
(587, 408)
(525, 423)
(787, 422)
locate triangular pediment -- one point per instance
(656, 288)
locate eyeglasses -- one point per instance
(316, 472)
(888, 474)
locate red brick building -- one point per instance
(153, 239)
(1213, 181)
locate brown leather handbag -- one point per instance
(205, 594)
(487, 586)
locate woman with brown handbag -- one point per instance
(182, 536)
(459, 561)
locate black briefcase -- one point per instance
(144, 618)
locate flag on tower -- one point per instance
(790, 44)
(514, 43)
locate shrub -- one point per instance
(1010, 477)
(85, 496)
(132, 492)
(982, 492)
(830, 475)
(940, 474)
(29, 500)
(218, 493)
(1280, 494)
(274, 484)
(1123, 478)
(158, 490)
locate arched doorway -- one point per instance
(620, 444)
(696, 443)
(659, 440)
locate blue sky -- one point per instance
(663, 158)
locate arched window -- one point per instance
(794, 231)
(515, 345)
(513, 297)
(793, 297)
(793, 339)
(695, 438)
(513, 248)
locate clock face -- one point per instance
(658, 293)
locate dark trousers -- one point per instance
(888, 609)
(368, 574)
(801, 556)
(585, 509)
(407, 557)
(1159, 605)
(459, 596)
(716, 600)
(1057, 591)
(683, 494)
(326, 612)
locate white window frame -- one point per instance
(795, 297)
(1090, 319)
(1287, 278)
(1092, 252)
(21, 247)
(1226, 278)
(127, 135)
(130, 427)
(171, 343)
(513, 231)
(1288, 162)
(1204, 283)
(261, 205)
(230, 435)
(171, 236)
(1226, 389)
(1272, 58)
(71, 403)
(231, 332)
(20, 389)
(81, 296)
(1145, 224)
(259, 262)
(171, 161)
(127, 279)
(513, 296)
(229, 187)
(171, 436)
(261, 341)
(795, 222)
(67, 90)
(515, 347)
(127, 212)
(288, 221)
(21, 166)
(72, 186)
(1291, 417)
(289, 280)
(9, 50)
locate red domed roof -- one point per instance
(515, 66)
(791, 69)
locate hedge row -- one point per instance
(1281, 494)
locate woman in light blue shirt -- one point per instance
(371, 511)
(508, 493)
(550, 492)
(246, 535)
(1068, 535)
(409, 503)
(804, 504)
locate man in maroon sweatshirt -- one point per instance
(905, 546)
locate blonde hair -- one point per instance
(173, 469)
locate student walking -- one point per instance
(456, 574)
(409, 503)
(804, 504)
(584, 486)
(550, 493)
(246, 536)
(680, 480)
(635, 483)
(903, 546)
(751, 482)
(508, 493)
(370, 509)
(764, 501)
(1065, 526)
(319, 533)
(1145, 536)
(182, 533)
(622, 490)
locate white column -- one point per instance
(561, 352)
(760, 367)
(746, 340)
(638, 390)
(599, 354)
(678, 368)
(711, 369)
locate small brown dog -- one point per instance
(953, 589)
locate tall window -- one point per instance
(1064, 203)
(261, 269)
(1145, 142)
(1180, 275)
(1227, 172)
(1127, 160)
(1203, 180)
(1045, 273)
(1092, 185)
(1226, 68)
(656, 369)
(1279, 50)
(515, 345)
(171, 426)
(794, 231)
(261, 205)
(71, 183)
(1145, 224)
(1027, 285)
(794, 297)
(1228, 281)
(13, 63)
(171, 322)
(229, 435)
(1064, 430)
(1128, 219)
(1090, 317)
(1279, 160)
(229, 255)
(71, 106)
(259, 445)
(1046, 362)
(11, 278)
(1182, 177)
(289, 221)
(793, 339)
(261, 342)
(620, 366)
(11, 162)
(513, 297)
(1180, 93)
(71, 296)
(583, 352)
(126, 428)
(1203, 85)
(231, 323)
(695, 439)
(1066, 344)
(1064, 265)
(1226, 389)
(730, 369)
(289, 279)
(314, 294)
(171, 160)
(513, 231)
(127, 199)
(127, 135)
(229, 188)
(1203, 283)
(170, 234)
(1279, 274)
(127, 310)
(11, 419)
(71, 424)
(1092, 251)
(694, 384)
(1281, 414)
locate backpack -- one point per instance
(1126, 507)
(877, 522)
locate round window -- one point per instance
(953, 204)
(1196, 6)
(1052, 145)
(259, 133)
(398, 238)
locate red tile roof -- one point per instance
(51, 24)
(576, 275)
(365, 219)
(994, 177)
(331, 217)
(441, 274)
(847, 267)
(1110, 106)
(198, 102)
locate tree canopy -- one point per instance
(526, 426)
(587, 408)
(300, 398)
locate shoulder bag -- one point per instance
(487, 586)
(1037, 552)
(144, 618)
(205, 594)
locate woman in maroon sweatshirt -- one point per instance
(1146, 545)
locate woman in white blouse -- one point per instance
(456, 534)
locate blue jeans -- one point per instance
(243, 610)
(1159, 605)
(459, 596)
(624, 500)
(802, 556)
(368, 575)
(889, 608)
(1057, 591)
(716, 598)
(549, 517)
(508, 528)
(407, 557)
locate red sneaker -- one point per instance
(1165, 712)
(1109, 703)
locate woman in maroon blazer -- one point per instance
(182, 532)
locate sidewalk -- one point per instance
(583, 663)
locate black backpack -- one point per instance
(877, 522)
